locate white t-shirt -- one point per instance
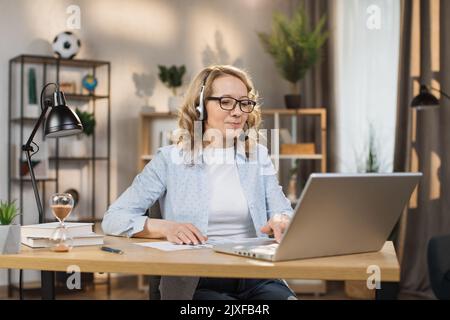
(229, 216)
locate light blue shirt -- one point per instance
(182, 190)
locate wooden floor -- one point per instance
(126, 288)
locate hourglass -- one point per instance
(61, 205)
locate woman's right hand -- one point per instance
(183, 233)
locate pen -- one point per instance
(108, 249)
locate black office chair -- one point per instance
(439, 266)
(153, 289)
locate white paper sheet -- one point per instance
(234, 241)
(169, 246)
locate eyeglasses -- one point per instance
(229, 103)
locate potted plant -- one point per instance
(78, 148)
(295, 48)
(372, 164)
(172, 77)
(9, 232)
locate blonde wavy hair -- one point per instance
(187, 114)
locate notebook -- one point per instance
(37, 235)
(87, 240)
(45, 230)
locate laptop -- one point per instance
(336, 214)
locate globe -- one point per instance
(89, 82)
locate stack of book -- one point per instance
(37, 235)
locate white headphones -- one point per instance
(201, 105)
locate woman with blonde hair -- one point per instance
(215, 182)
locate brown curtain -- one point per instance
(423, 138)
(316, 92)
(316, 87)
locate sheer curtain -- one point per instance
(366, 48)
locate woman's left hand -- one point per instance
(277, 225)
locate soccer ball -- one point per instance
(66, 45)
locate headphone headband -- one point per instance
(201, 105)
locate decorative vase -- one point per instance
(147, 109)
(292, 101)
(9, 239)
(175, 103)
(32, 111)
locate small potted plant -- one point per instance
(172, 77)
(295, 48)
(9, 232)
(78, 148)
(367, 161)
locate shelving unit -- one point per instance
(22, 120)
(295, 114)
(53, 69)
(146, 145)
(150, 121)
(147, 123)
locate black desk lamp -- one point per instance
(60, 122)
(426, 100)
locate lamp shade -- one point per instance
(424, 99)
(61, 121)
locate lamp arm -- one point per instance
(441, 92)
(35, 189)
(28, 148)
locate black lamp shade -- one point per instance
(424, 99)
(61, 121)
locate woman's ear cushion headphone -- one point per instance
(201, 107)
(201, 103)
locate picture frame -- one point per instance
(68, 87)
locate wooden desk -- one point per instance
(203, 263)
